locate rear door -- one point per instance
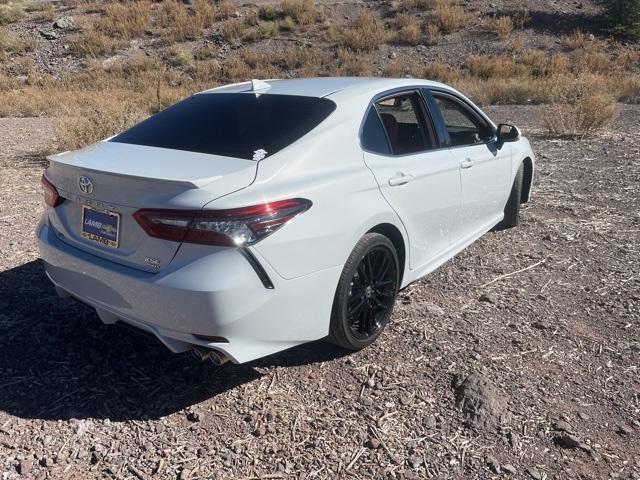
(484, 170)
(419, 181)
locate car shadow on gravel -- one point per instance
(59, 361)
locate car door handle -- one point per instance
(466, 163)
(400, 179)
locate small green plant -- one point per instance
(268, 29)
(623, 16)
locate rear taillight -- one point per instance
(49, 192)
(233, 227)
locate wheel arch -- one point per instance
(395, 235)
(527, 180)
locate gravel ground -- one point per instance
(517, 359)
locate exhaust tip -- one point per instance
(214, 356)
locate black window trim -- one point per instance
(472, 108)
(426, 113)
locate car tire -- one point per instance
(366, 293)
(512, 209)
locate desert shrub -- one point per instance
(450, 18)
(408, 5)
(235, 69)
(224, 9)
(297, 57)
(407, 29)
(124, 20)
(441, 72)
(179, 26)
(268, 29)
(268, 12)
(518, 13)
(623, 16)
(303, 12)
(93, 43)
(351, 64)
(366, 33)
(484, 67)
(180, 56)
(401, 68)
(591, 59)
(232, 29)
(433, 33)
(10, 42)
(104, 119)
(11, 11)
(576, 40)
(501, 26)
(579, 108)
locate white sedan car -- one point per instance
(253, 217)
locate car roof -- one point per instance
(321, 86)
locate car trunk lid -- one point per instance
(106, 183)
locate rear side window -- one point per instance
(404, 123)
(231, 124)
(374, 138)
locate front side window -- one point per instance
(404, 123)
(231, 124)
(463, 126)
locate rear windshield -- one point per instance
(241, 125)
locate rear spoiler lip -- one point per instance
(71, 158)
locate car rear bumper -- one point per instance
(200, 292)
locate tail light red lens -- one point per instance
(50, 194)
(232, 227)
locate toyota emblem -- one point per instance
(85, 184)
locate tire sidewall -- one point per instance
(366, 244)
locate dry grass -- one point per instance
(93, 43)
(12, 43)
(366, 33)
(402, 68)
(351, 64)
(519, 13)
(303, 12)
(11, 11)
(180, 56)
(580, 108)
(484, 67)
(576, 40)
(125, 21)
(407, 29)
(433, 33)
(450, 18)
(232, 29)
(501, 26)
(408, 5)
(179, 24)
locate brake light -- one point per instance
(50, 194)
(232, 227)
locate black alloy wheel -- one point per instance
(366, 293)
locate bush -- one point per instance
(11, 12)
(580, 108)
(408, 30)
(623, 16)
(365, 34)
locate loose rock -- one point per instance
(481, 402)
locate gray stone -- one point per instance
(65, 23)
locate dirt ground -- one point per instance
(517, 359)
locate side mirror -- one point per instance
(507, 133)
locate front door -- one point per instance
(484, 170)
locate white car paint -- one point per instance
(213, 290)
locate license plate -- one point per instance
(100, 226)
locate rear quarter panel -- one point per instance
(326, 167)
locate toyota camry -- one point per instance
(254, 217)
